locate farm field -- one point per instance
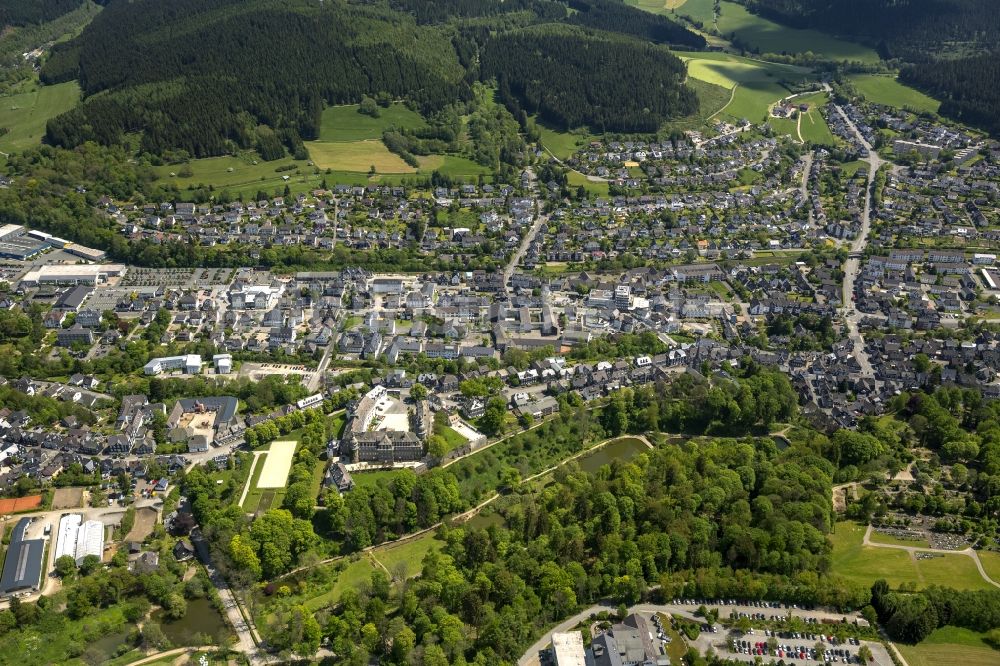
(865, 564)
(762, 35)
(950, 645)
(25, 114)
(758, 84)
(242, 174)
(350, 144)
(356, 156)
(887, 90)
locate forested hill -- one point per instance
(28, 12)
(915, 30)
(207, 76)
(969, 88)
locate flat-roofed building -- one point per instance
(567, 648)
(22, 568)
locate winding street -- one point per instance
(857, 247)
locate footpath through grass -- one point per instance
(854, 561)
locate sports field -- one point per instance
(277, 464)
(25, 114)
(887, 90)
(950, 645)
(865, 564)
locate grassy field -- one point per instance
(344, 123)
(407, 558)
(575, 179)
(813, 126)
(245, 173)
(408, 555)
(25, 114)
(865, 564)
(758, 84)
(950, 645)
(377, 478)
(357, 156)
(851, 168)
(887, 90)
(991, 563)
(352, 575)
(350, 144)
(563, 144)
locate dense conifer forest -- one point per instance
(204, 76)
(916, 30)
(28, 12)
(573, 79)
(969, 88)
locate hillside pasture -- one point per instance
(758, 84)
(358, 156)
(887, 90)
(244, 174)
(344, 123)
(25, 114)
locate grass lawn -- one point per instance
(25, 114)
(352, 575)
(254, 493)
(451, 436)
(563, 144)
(382, 477)
(991, 563)
(575, 179)
(865, 564)
(887, 90)
(851, 168)
(950, 645)
(813, 126)
(344, 123)
(407, 557)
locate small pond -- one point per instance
(201, 618)
(623, 448)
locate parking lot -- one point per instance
(794, 647)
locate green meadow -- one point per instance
(887, 90)
(25, 114)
